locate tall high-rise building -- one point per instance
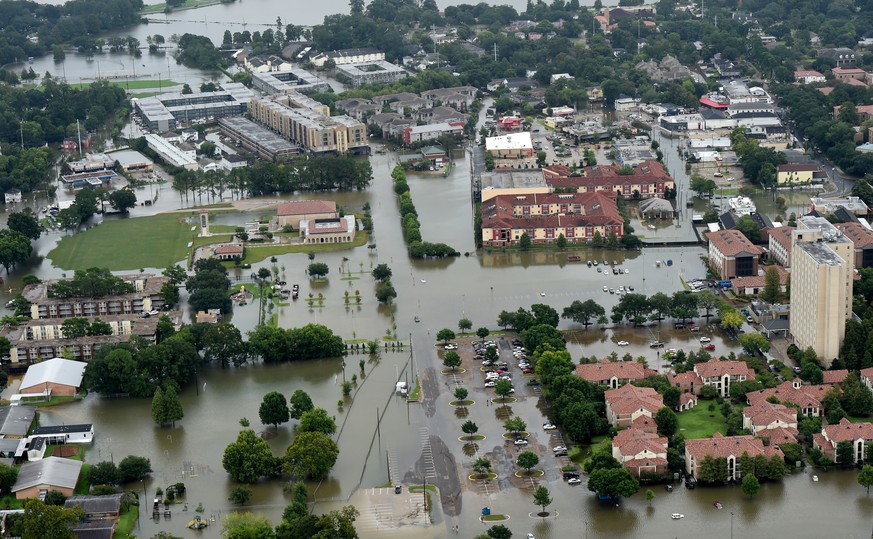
(822, 269)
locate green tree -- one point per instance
(274, 409)
(503, 388)
(172, 406)
(650, 495)
(561, 242)
(382, 272)
(311, 456)
(134, 468)
(613, 482)
(385, 292)
(445, 335)
(712, 470)
(41, 520)
(469, 428)
(845, 453)
(482, 466)
(317, 420)
(451, 360)
(753, 342)
(527, 460)
(583, 312)
(671, 397)
(865, 477)
(55, 497)
(123, 200)
(483, 333)
(300, 402)
(514, 425)
(772, 288)
(246, 525)
(749, 228)
(224, 345)
(240, 495)
(499, 532)
(14, 248)
(460, 393)
(465, 325)
(317, 270)
(543, 498)
(524, 242)
(104, 473)
(751, 485)
(667, 421)
(25, 223)
(248, 458)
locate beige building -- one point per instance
(511, 146)
(335, 230)
(799, 173)
(780, 245)
(731, 254)
(822, 272)
(51, 473)
(58, 377)
(291, 213)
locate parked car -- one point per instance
(549, 426)
(622, 343)
(705, 339)
(571, 475)
(694, 329)
(520, 442)
(574, 481)
(561, 453)
(490, 383)
(709, 346)
(656, 344)
(559, 448)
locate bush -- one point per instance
(133, 468)
(240, 495)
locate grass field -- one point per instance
(255, 253)
(127, 244)
(134, 84)
(188, 4)
(697, 423)
(127, 522)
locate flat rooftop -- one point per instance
(513, 179)
(259, 135)
(821, 253)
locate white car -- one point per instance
(705, 339)
(490, 383)
(574, 481)
(606, 289)
(622, 343)
(559, 448)
(520, 441)
(549, 426)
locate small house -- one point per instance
(13, 196)
(52, 473)
(56, 376)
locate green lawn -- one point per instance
(256, 253)
(135, 84)
(83, 485)
(127, 244)
(697, 423)
(581, 453)
(188, 4)
(127, 522)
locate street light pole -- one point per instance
(732, 525)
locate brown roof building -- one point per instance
(545, 217)
(613, 373)
(780, 245)
(835, 376)
(730, 448)
(859, 434)
(807, 398)
(720, 374)
(862, 238)
(629, 402)
(649, 180)
(228, 251)
(766, 416)
(640, 452)
(731, 254)
(290, 213)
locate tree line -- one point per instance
(409, 220)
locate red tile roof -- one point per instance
(684, 378)
(607, 176)
(779, 435)
(764, 413)
(630, 442)
(846, 431)
(306, 207)
(724, 446)
(804, 396)
(860, 235)
(716, 368)
(597, 209)
(759, 280)
(782, 236)
(732, 242)
(685, 398)
(606, 370)
(629, 398)
(229, 249)
(867, 373)
(835, 377)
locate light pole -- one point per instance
(732, 525)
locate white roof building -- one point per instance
(57, 371)
(512, 141)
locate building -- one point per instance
(612, 374)
(634, 152)
(291, 80)
(65, 434)
(291, 213)
(12, 196)
(229, 251)
(755, 284)
(305, 122)
(860, 435)
(730, 448)
(58, 377)
(720, 374)
(16, 421)
(358, 108)
(799, 174)
(840, 55)
(511, 146)
(146, 296)
(641, 452)
(779, 243)
(853, 205)
(808, 398)
(96, 507)
(260, 141)
(231, 161)
(808, 77)
(132, 161)
(378, 71)
(171, 154)
(331, 230)
(649, 180)
(624, 104)
(579, 217)
(35, 479)
(822, 269)
(424, 133)
(862, 239)
(80, 180)
(166, 112)
(731, 254)
(766, 416)
(848, 74)
(628, 402)
(348, 56)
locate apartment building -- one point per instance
(731, 254)
(823, 263)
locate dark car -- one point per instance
(571, 475)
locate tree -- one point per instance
(542, 497)
(667, 421)
(749, 228)
(650, 495)
(561, 242)
(470, 429)
(524, 242)
(483, 333)
(300, 403)
(385, 292)
(122, 200)
(515, 425)
(499, 532)
(613, 482)
(671, 397)
(224, 345)
(14, 248)
(845, 453)
(503, 388)
(582, 312)
(527, 460)
(55, 497)
(172, 406)
(105, 473)
(134, 468)
(317, 270)
(712, 470)
(240, 495)
(311, 456)
(274, 409)
(382, 272)
(461, 393)
(753, 342)
(452, 360)
(248, 458)
(465, 325)
(772, 288)
(445, 335)
(25, 223)
(317, 420)
(41, 520)
(159, 408)
(247, 526)
(865, 477)
(751, 485)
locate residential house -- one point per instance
(96, 507)
(626, 403)
(808, 398)
(57, 377)
(435, 115)
(862, 239)
(859, 434)
(840, 55)
(826, 206)
(766, 418)
(687, 401)
(424, 133)
(16, 421)
(867, 378)
(687, 382)
(12, 196)
(720, 374)
(641, 452)
(229, 251)
(579, 217)
(329, 230)
(755, 284)
(730, 448)
(731, 254)
(66, 434)
(625, 103)
(513, 84)
(52, 473)
(780, 245)
(806, 76)
(799, 173)
(291, 213)
(834, 376)
(849, 74)
(348, 56)
(612, 373)
(95, 529)
(357, 108)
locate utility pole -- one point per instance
(495, 52)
